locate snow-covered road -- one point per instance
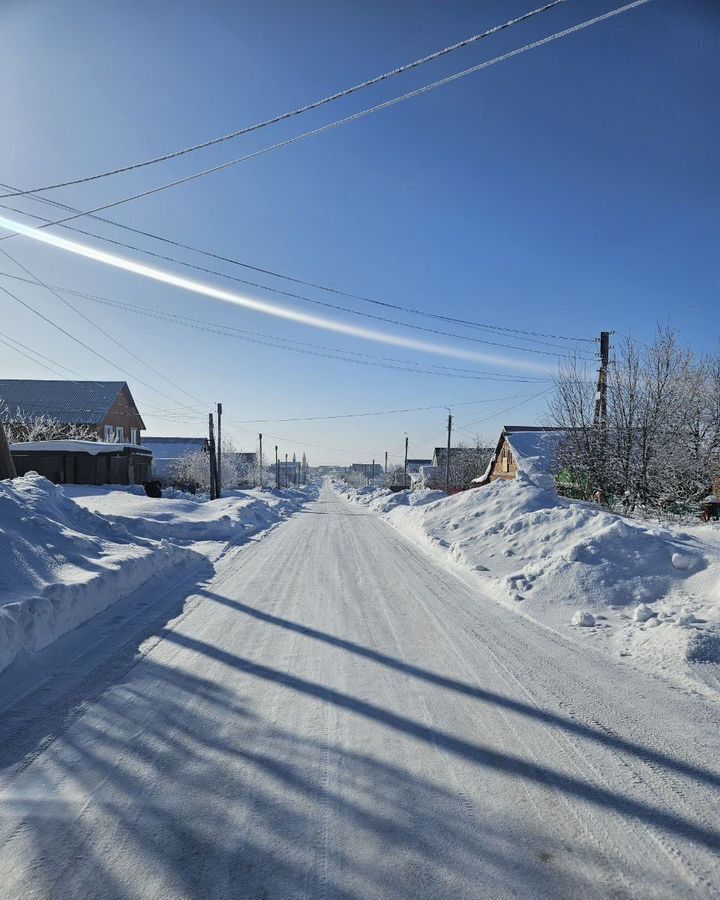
(330, 714)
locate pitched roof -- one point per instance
(70, 402)
(536, 451)
(166, 450)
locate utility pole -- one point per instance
(386, 462)
(213, 459)
(372, 471)
(277, 470)
(7, 466)
(261, 461)
(447, 460)
(219, 450)
(287, 482)
(405, 484)
(600, 417)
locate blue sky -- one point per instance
(571, 189)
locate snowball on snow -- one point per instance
(643, 613)
(583, 619)
(682, 561)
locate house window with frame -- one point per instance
(109, 434)
(120, 434)
(134, 436)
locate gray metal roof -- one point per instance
(71, 402)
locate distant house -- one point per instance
(523, 448)
(105, 406)
(413, 465)
(367, 469)
(168, 450)
(83, 462)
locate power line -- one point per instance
(354, 116)
(97, 327)
(517, 332)
(84, 345)
(167, 277)
(346, 92)
(503, 411)
(296, 346)
(381, 412)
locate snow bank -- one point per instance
(187, 518)
(647, 592)
(60, 564)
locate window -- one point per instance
(134, 436)
(109, 434)
(120, 434)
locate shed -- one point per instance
(167, 450)
(83, 462)
(523, 448)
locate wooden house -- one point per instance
(107, 407)
(523, 448)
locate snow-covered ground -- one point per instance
(67, 553)
(649, 593)
(184, 518)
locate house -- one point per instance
(367, 469)
(83, 462)
(168, 450)
(413, 465)
(523, 448)
(107, 407)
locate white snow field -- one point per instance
(62, 562)
(647, 593)
(327, 712)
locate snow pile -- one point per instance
(186, 518)
(60, 564)
(648, 592)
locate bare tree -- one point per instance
(661, 446)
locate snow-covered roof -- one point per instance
(71, 402)
(536, 451)
(94, 448)
(534, 448)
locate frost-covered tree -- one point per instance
(21, 427)
(194, 469)
(661, 446)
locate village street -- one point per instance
(331, 714)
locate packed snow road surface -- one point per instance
(327, 713)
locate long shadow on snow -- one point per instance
(473, 753)
(197, 797)
(705, 776)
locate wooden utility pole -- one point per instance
(600, 417)
(277, 470)
(287, 482)
(7, 466)
(447, 460)
(372, 471)
(219, 450)
(261, 461)
(386, 462)
(213, 459)
(405, 484)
